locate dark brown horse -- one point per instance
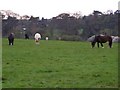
(11, 39)
(102, 39)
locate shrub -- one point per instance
(70, 38)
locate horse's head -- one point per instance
(90, 39)
(94, 42)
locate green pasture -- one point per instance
(58, 64)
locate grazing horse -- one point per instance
(37, 38)
(102, 39)
(11, 39)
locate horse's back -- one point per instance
(104, 39)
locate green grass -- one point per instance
(59, 64)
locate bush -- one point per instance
(70, 38)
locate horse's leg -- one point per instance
(93, 44)
(102, 45)
(9, 41)
(12, 41)
(98, 44)
(37, 41)
(110, 44)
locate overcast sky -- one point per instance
(51, 8)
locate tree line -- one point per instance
(64, 26)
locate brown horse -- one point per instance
(102, 39)
(11, 39)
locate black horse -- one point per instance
(26, 36)
(102, 39)
(11, 39)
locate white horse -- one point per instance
(115, 39)
(37, 38)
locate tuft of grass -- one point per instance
(58, 64)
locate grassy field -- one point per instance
(58, 64)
